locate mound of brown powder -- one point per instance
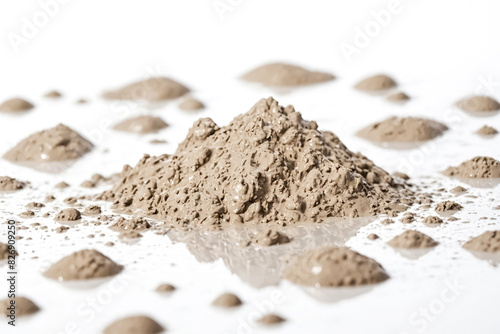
(92, 210)
(271, 237)
(432, 221)
(23, 306)
(141, 124)
(10, 184)
(152, 89)
(135, 224)
(334, 267)
(165, 287)
(448, 206)
(4, 251)
(279, 74)
(82, 265)
(69, 214)
(376, 83)
(398, 97)
(403, 130)
(134, 325)
(267, 166)
(56, 144)
(489, 242)
(227, 300)
(478, 104)
(16, 104)
(412, 239)
(271, 319)
(191, 104)
(478, 167)
(53, 94)
(487, 131)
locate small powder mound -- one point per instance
(376, 83)
(458, 190)
(35, 205)
(83, 265)
(165, 287)
(141, 124)
(227, 300)
(398, 97)
(267, 166)
(54, 94)
(489, 242)
(69, 214)
(478, 104)
(280, 74)
(23, 306)
(87, 184)
(92, 210)
(271, 237)
(403, 130)
(152, 89)
(373, 236)
(191, 104)
(271, 319)
(448, 206)
(135, 224)
(334, 267)
(59, 143)
(412, 239)
(61, 185)
(15, 105)
(487, 131)
(4, 251)
(478, 167)
(134, 325)
(10, 184)
(432, 221)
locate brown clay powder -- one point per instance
(69, 214)
(271, 237)
(334, 267)
(478, 167)
(398, 97)
(134, 325)
(23, 306)
(403, 130)
(489, 242)
(267, 166)
(152, 89)
(165, 287)
(56, 144)
(448, 206)
(478, 104)
(376, 83)
(4, 251)
(16, 104)
(487, 131)
(54, 94)
(191, 104)
(135, 224)
(82, 265)
(10, 184)
(141, 124)
(412, 239)
(279, 74)
(271, 319)
(227, 300)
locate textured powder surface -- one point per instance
(448, 206)
(134, 325)
(227, 300)
(92, 210)
(412, 239)
(478, 104)
(23, 306)
(478, 167)
(266, 166)
(10, 184)
(69, 214)
(398, 97)
(82, 265)
(489, 242)
(271, 319)
(271, 237)
(141, 124)
(334, 267)
(54, 94)
(279, 74)
(135, 224)
(403, 130)
(152, 89)
(191, 104)
(375, 83)
(487, 131)
(59, 143)
(16, 104)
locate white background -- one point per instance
(437, 51)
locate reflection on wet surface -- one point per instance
(334, 295)
(262, 266)
(482, 113)
(51, 167)
(492, 258)
(480, 183)
(413, 254)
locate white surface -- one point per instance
(438, 53)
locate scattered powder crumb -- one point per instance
(403, 130)
(35, 205)
(4, 251)
(398, 97)
(453, 219)
(15, 105)
(87, 184)
(69, 214)
(227, 300)
(478, 104)
(478, 167)
(334, 267)
(10, 184)
(387, 221)
(271, 237)
(130, 235)
(401, 175)
(92, 210)
(152, 89)
(82, 101)
(458, 190)
(448, 206)
(280, 74)
(134, 325)
(271, 319)
(489, 242)
(407, 219)
(412, 239)
(432, 221)
(54, 94)
(376, 83)
(61, 185)
(373, 236)
(27, 214)
(23, 306)
(487, 131)
(109, 244)
(61, 229)
(134, 224)
(141, 124)
(190, 104)
(165, 287)
(157, 141)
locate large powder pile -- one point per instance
(16, 104)
(152, 89)
(10, 184)
(478, 104)
(478, 167)
(134, 325)
(489, 242)
(267, 166)
(412, 239)
(279, 74)
(376, 83)
(403, 130)
(55, 144)
(334, 267)
(141, 124)
(82, 265)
